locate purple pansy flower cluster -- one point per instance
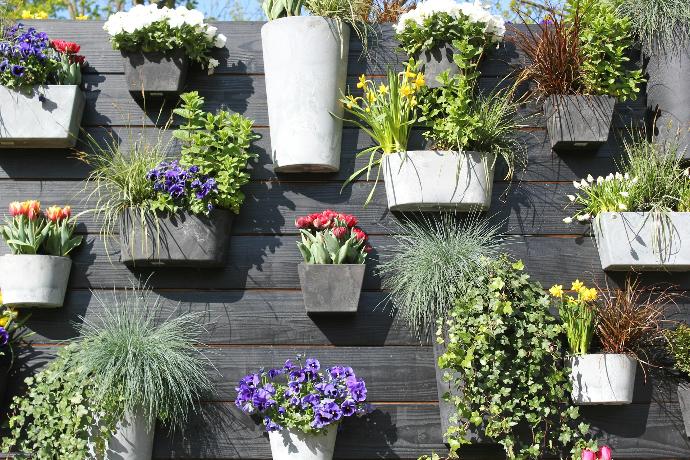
(302, 396)
(183, 187)
(4, 336)
(26, 56)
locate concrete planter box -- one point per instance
(41, 117)
(578, 122)
(179, 240)
(436, 61)
(155, 73)
(133, 439)
(643, 241)
(34, 280)
(295, 445)
(684, 401)
(331, 288)
(305, 61)
(427, 180)
(668, 94)
(602, 379)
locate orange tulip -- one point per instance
(66, 212)
(54, 213)
(33, 208)
(15, 209)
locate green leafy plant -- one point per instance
(331, 238)
(218, 144)
(386, 113)
(60, 239)
(578, 315)
(26, 230)
(679, 346)
(146, 363)
(657, 23)
(431, 262)
(354, 13)
(503, 318)
(275, 9)
(61, 416)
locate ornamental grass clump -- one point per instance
(578, 314)
(332, 238)
(658, 24)
(505, 368)
(302, 397)
(432, 261)
(30, 58)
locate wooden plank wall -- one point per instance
(255, 306)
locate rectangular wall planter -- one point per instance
(41, 117)
(179, 240)
(332, 288)
(155, 73)
(684, 401)
(642, 241)
(34, 280)
(446, 408)
(578, 122)
(427, 180)
(607, 379)
(132, 440)
(305, 62)
(292, 444)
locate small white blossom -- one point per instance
(625, 194)
(600, 180)
(609, 178)
(220, 41)
(212, 64)
(590, 179)
(583, 217)
(571, 197)
(584, 184)
(576, 184)
(568, 220)
(622, 206)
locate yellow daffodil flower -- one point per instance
(413, 102)
(577, 285)
(588, 295)
(406, 90)
(383, 89)
(81, 17)
(419, 81)
(3, 321)
(409, 74)
(362, 82)
(350, 101)
(556, 290)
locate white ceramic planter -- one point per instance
(602, 378)
(295, 445)
(42, 117)
(133, 439)
(34, 280)
(305, 62)
(425, 180)
(643, 241)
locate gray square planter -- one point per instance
(332, 288)
(684, 401)
(642, 241)
(578, 122)
(41, 117)
(428, 180)
(179, 240)
(155, 73)
(436, 61)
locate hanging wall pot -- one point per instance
(578, 122)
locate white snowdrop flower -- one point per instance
(626, 176)
(590, 179)
(584, 184)
(622, 206)
(625, 194)
(633, 180)
(600, 180)
(687, 172)
(609, 178)
(220, 41)
(576, 184)
(568, 220)
(571, 197)
(619, 176)
(582, 217)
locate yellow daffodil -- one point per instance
(588, 295)
(577, 285)
(556, 290)
(406, 90)
(81, 17)
(383, 89)
(413, 101)
(409, 74)
(3, 321)
(351, 101)
(367, 109)
(362, 82)
(371, 97)
(419, 81)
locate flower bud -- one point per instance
(588, 455)
(54, 213)
(339, 232)
(605, 453)
(16, 209)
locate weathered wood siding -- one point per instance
(254, 305)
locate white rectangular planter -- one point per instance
(331, 288)
(41, 117)
(133, 439)
(296, 445)
(643, 241)
(426, 180)
(577, 122)
(305, 62)
(602, 378)
(34, 280)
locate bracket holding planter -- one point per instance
(643, 241)
(331, 288)
(155, 74)
(434, 180)
(305, 62)
(578, 122)
(602, 378)
(28, 280)
(41, 117)
(179, 240)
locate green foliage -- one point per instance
(24, 235)
(219, 145)
(60, 240)
(504, 361)
(324, 247)
(658, 23)
(69, 71)
(145, 362)
(679, 346)
(605, 40)
(431, 262)
(62, 416)
(275, 9)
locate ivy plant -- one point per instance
(503, 356)
(218, 144)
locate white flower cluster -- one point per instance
(476, 11)
(142, 16)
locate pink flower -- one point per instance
(349, 220)
(16, 209)
(604, 453)
(303, 222)
(588, 455)
(359, 234)
(329, 214)
(339, 232)
(321, 223)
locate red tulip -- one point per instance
(359, 234)
(77, 59)
(54, 213)
(303, 222)
(588, 455)
(65, 47)
(339, 232)
(604, 453)
(321, 223)
(328, 214)
(66, 212)
(16, 209)
(33, 209)
(350, 220)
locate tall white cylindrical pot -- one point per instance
(427, 180)
(133, 439)
(305, 62)
(604, 378)
(296, 445)
(34, 280)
